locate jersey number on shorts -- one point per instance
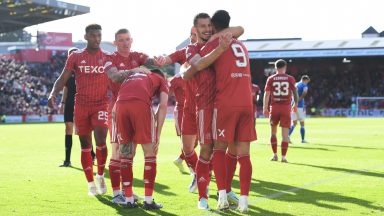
(238, 51)
(280, 88)
(103, 115)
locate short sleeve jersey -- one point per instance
(177, 85)
(281, 87)
(179, 56)
(91, 80)
(135, 59)
(142, 87)
(203, 83)
(301, 87)
(233, 75)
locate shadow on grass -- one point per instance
(352, 171)
(308, 148)
(138, 183)
(121, 210)
(344, 146)
(288, 193)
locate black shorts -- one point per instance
(68, 112)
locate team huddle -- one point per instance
(214, 108)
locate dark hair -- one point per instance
(200, 16)
(220, 19)
(71, 50)
(280, 63)
(305, 78)
(91, 27)
(159, 72)
(121, 31)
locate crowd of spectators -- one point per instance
(335, 84)
(24, 88)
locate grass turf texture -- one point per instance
(340, 172)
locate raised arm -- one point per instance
(120, 75)
(58, 86)
(236, 32)
(302, 95)
(198, 63)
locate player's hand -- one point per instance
(61, 108)
(51, 101)
(225, 40)
(266, 113)
(160, 60)
(294, 109)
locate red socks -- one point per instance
(284, 148)
(230, 163)
(114, 174)
(191, 160)
(203, 178)
(245, 174)
(219, 168)
(101, 156)
(86, 163)
(274, 144)
(182, 157)
(127, 176)
(149, 175)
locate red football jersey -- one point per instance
(135, 59)
(179, 56)
(203, 82)
(177, 85)
(233, 75)
(142, 87)
(91, 81)
(281, 87)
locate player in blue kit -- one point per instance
(299, 114)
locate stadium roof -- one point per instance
(297, 48)
(18, 14)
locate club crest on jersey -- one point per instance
(83, 62)
(91, 69)
(122, 64)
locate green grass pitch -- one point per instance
(340, 172)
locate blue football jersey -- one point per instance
(301, 87)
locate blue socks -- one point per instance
(302, 132)
(291, 130)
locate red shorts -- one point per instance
(178, 116)
(204, 120)
(86, 118)
(188, 123)
(112, 123)
(135, 122)
(234, 124)
(282, 114)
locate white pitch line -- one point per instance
(305, 186)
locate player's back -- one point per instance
(233, 76)
(91, 81)
(281, 87)
(142, 87)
